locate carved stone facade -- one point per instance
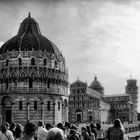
(85, 104)
(33, 78)
(90, 104)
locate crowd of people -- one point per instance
(39, 131)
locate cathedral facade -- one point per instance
(33, 78)
(88, 103)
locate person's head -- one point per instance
(7, 125)
(88, 128)
(74, 127)
(18, 131)
(40, 123)
(83, 130)
(117, 123)
(59, 125)
(48, 126)
(55, 134)
(12, 126)
(92, 125)
(30, 129)
(98, 126)
(72, 132)
(3, 128)
(67, 125)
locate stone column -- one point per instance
(13, 104)
(28, 110)
(42, 111)
(54, 111)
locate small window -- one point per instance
(48, 83)
(33, 61)
(35, 105)
(48, 106)
(20, 61)
(20, 105)
(30, 82)
(58, 105)
(7, 62)
(45, 62)
(55, 63)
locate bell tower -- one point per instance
(132, 89)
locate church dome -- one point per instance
(29, 38)
(96, 85)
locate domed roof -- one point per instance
(96, 85)
(29, 38)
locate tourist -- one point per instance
(18, 131)
(99, 132)
(72, 135)
(60, 126)
(12, 128)
(5, 134)
(84, 134)
(42, 132)
(91, 135)
(55, 134)
(116, 132)
(67, 128)
(30, 131)
(93, 127)
(48, 126)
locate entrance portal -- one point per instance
(8, 116)
(78, 118)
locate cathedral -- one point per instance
(33, 78)
(89, 103)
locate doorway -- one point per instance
(8, 116)
(78, 118)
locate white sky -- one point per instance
(99, 37)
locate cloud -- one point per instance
(96, 37)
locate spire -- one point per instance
(78, 78)
(29, 25)
(130, 76)
(95, 78)
(29, 15)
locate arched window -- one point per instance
(48, 83)
(55, 64)
(45, 62)
(30, 82)
(20, 105)
(19, 61)
(48, 106)
(33, 61)
(35, 105)
(58, 105)
(7, 62)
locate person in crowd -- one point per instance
(5, 134)
(18, 131)
(42, 132)
(116, 132)
(48, 126)
(30, 131)
(67, 128)
(72, 135)
(59, 125)
(91, 135)
(93, 127)
(12, 128)
(99, 132)
(84, 134)
(55, 134)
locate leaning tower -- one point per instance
(132, 90)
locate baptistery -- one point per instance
(33, 78)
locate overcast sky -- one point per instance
(99, 37)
